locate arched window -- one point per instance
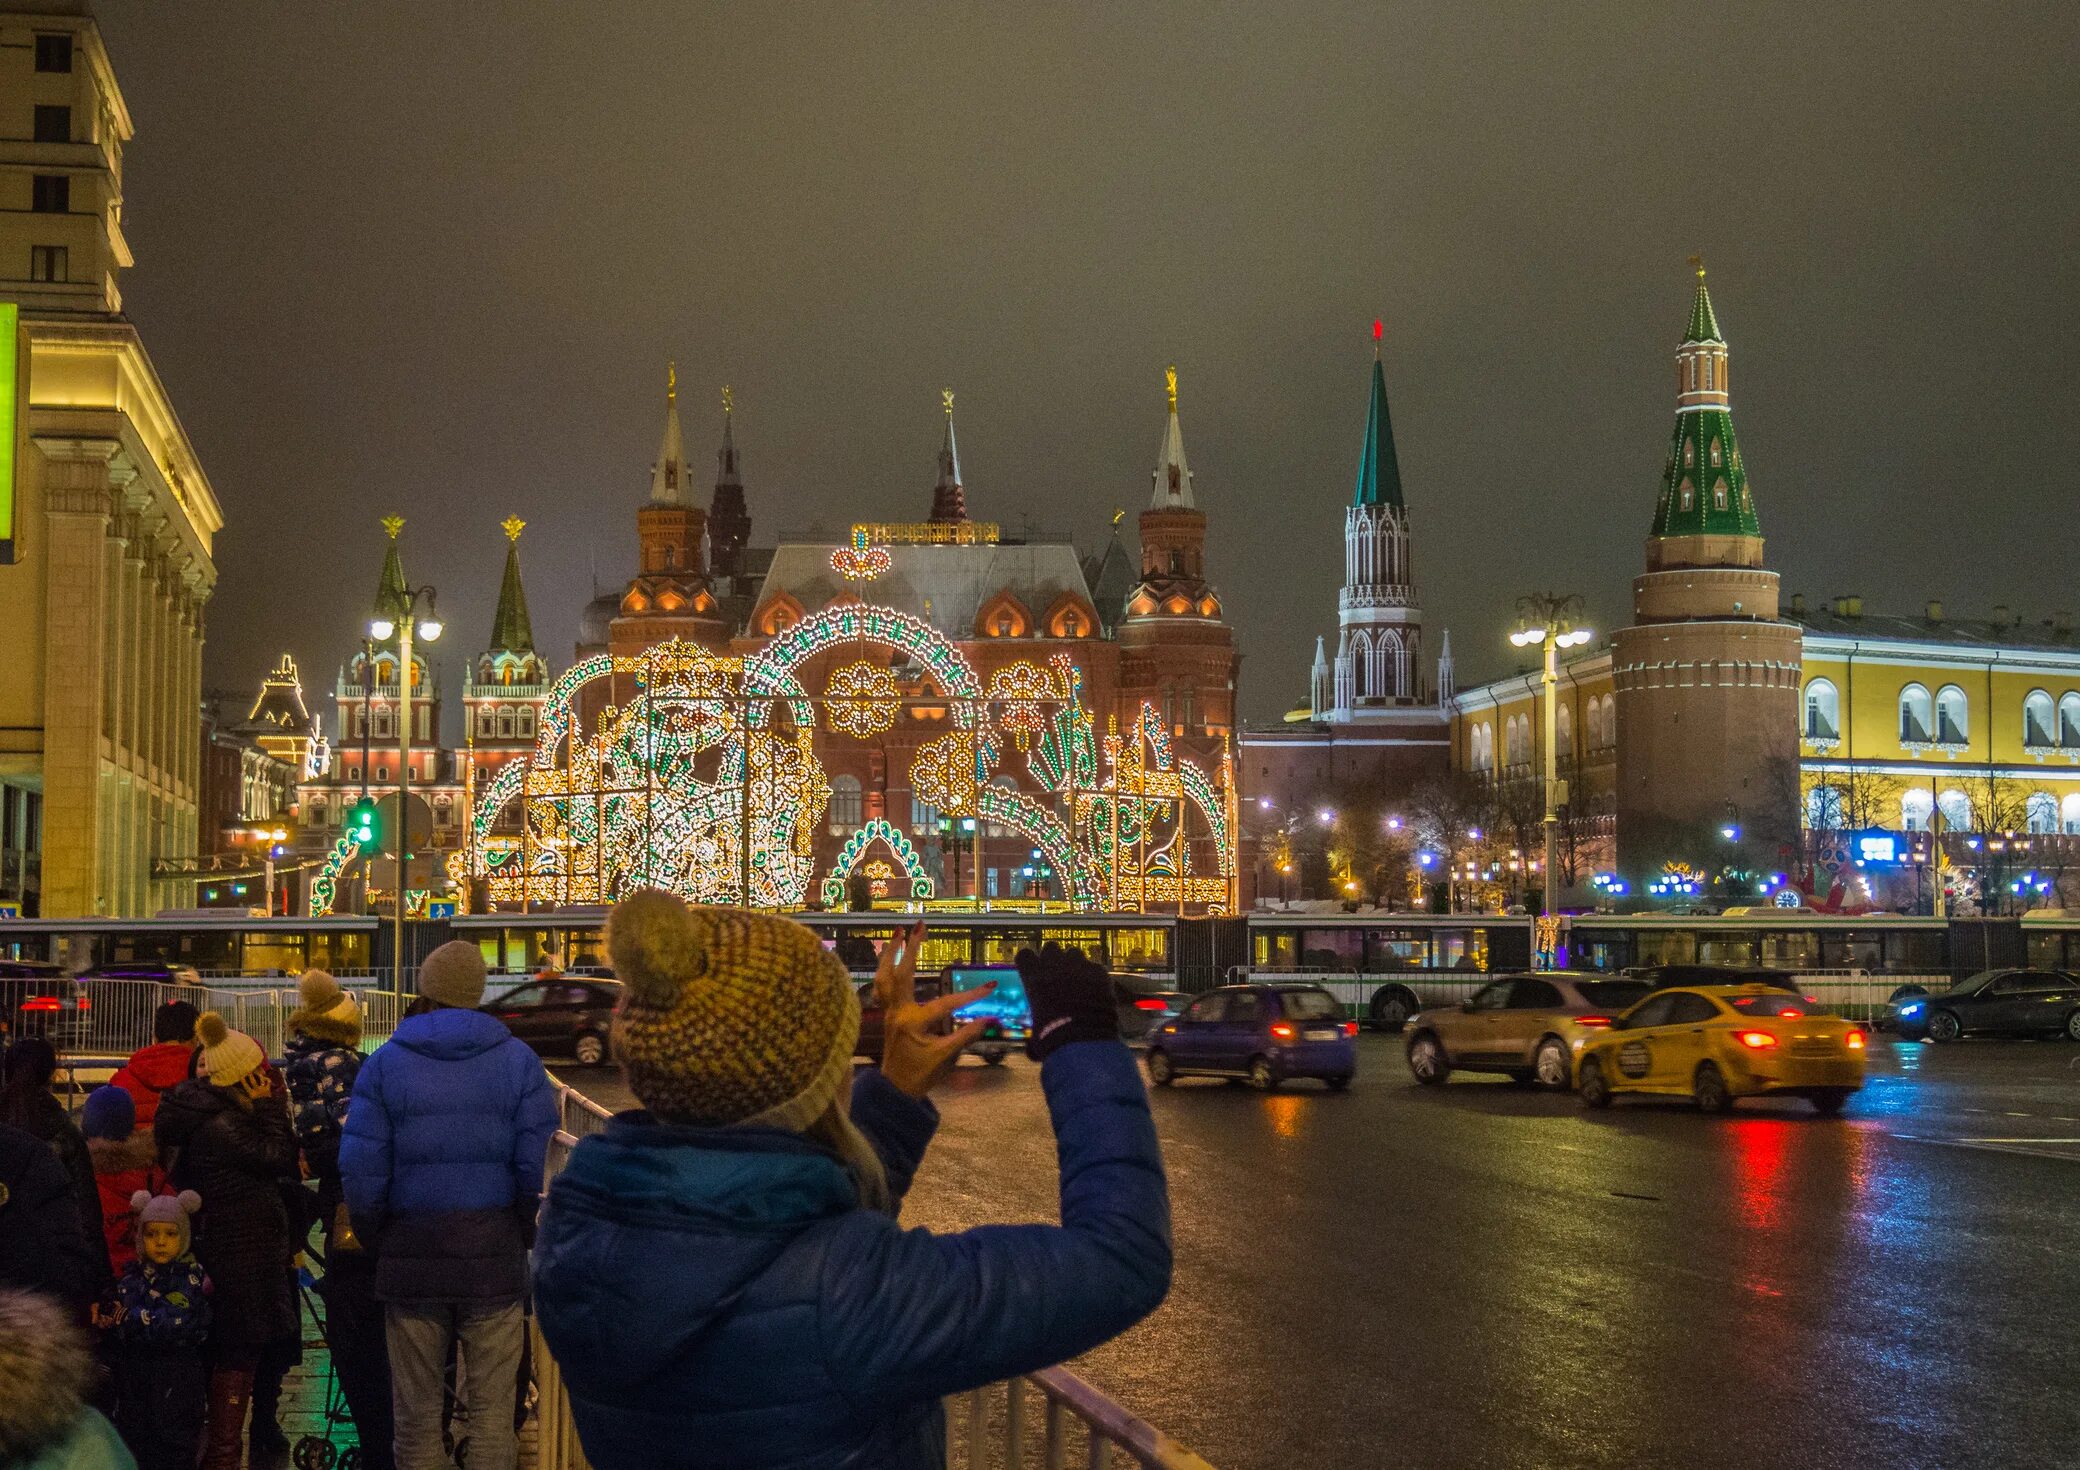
(381, 720)
(848, 805)
(1689, 494)
(317, 814)
(2041, 813)
(505, 723)
(1914, 810)
(1823, 711)
(1824, 808)
(1719, 493)
(924, 817)
(1689, 454)
(527, 721)
(1956, 808)
(1361, 664)
(1953, 725)
(1916, 715)
(1483, 747)
(1563, 732)
(2069, 815)
(2039, 721)
(2069, 719)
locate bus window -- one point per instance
(1140, 949)
(1718, 947)
(1397, 949)
(1338, 950)
(1916, 952)
(341, 954)
(944, 948)
(1090, 941)
(1607, 954)
(1667, 947)
(1788, 949)
(272, 954)
(1461, 949)
(1001, 946)
(1274, 949)
(1852, 951)
(2045, 951)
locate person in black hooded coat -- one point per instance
(226, 1135)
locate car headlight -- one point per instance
(1911, 1008)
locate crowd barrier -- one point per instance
(110, 1019)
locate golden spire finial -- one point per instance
(671, 381)
(512, 526)
(392, 525)
(1170, 385)
(946, 398)
(1697, 264)
(729, 401)
(1117, 517)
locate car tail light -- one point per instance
(1596, 1021)
(1350, 1028)
(1790, 1015)
(86, 1002)
(1282, 1030)
(1150, 1003)
(1854, 1040)
(40, 1003)
(1757, 1040)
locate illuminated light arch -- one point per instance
(769, 675)
(855, 848)
(325, 886)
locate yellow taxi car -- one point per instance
(1714, 1043)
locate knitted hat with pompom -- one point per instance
(166, 1209)
(728, 1017)
(228, 1056)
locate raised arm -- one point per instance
(910, 1314)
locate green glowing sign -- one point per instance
(10, 315)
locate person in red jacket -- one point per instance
(126, 1162)
(166, 1063)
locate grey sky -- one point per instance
(431, 257)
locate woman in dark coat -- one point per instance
(226, 1135)
(26, 1102)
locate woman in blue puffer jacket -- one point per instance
(721, 1276)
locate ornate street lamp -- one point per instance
(1548, 618)
(407, 622)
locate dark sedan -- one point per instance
(1670, 977)
(1996, 1003)
(568, 1016)
(37, 999)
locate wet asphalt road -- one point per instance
(1481, 1275)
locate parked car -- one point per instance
(569, 1016)
(39, 999)
(1143, 1007)
(1529, 1027)
(1996, 1003)
(1715, 1043)
(1267, 1033)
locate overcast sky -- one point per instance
(431, 258)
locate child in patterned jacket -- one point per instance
(158, 1323)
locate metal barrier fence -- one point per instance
(113, 1018)
(994, 1432)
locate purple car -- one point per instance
(1267, 1033)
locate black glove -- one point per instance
(1071, 999)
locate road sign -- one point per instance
(10, 911)
(441, 910)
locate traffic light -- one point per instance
(361, 822)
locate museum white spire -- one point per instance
(668, 474)
(1173, 476)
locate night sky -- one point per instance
(432, 258)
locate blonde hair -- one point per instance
(835, 1130)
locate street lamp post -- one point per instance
(407, 622)
(1548, 618)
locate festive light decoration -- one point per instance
(861, 699)
(862, 561)
(875, 830)
(703, 778)
(928, 533)
(325, 885)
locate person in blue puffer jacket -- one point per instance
(721, 1276)
(441, 1159)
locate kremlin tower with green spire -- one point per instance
(1707, 676)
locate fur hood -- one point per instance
(330, 1027)
(45, 1369)
(123, 1155)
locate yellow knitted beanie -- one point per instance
(227, 1056)
(728, 1017)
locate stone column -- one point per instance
(79, 512)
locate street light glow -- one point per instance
(430, 627)
(380, 628)
(1328, 815)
